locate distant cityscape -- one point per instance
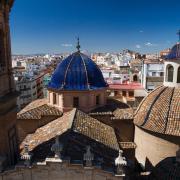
(88, 116)
(131, 75)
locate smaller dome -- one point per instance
(175, 52)
(160, 111)
(167, 169)
(77, 72)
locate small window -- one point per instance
(97, 100)
(153, 74)
(54, 98)
(124, 93)
(131, 93)
(161, 74)
(76, 102)
(115, 93)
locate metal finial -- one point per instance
(78, 45)
(178, 33)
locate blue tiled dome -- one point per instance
(175, 52)
(77, 72)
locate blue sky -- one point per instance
(50, 26)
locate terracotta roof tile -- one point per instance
(95, 129)
(78, 122)
(127, 113)
(47, 132)
(160, 111)
(38, 112)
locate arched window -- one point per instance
(170, 72)
(178, 75)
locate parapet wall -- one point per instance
(54, 170)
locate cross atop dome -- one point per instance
(78, 45)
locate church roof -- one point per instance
(175, 52)
(121, 114)
(77, 72)
(160, 111)
(75, 121)
(37, 109)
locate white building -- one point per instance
(153, 73)
(31, 88)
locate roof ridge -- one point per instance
(65, 75)
(169, 108)
(72, 117)
(85, 70)
(151, 106)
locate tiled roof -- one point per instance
(47, 132)
(37, 109)
(127, 113)
(111, 105)
(38, 112)
(34, 104)
(78, 122)
(130, 86)
(160, 111)
(95, 130)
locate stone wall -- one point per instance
(58, 171)
(153, 147)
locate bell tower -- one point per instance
(8, 95)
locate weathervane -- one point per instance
(178, 33)
(78, 45)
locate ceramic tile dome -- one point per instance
(77, 72)
(160, 111)
(175, 52)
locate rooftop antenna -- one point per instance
(178, 33)
(78, 45)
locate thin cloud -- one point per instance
(149, 44)
(66, 45)
(138, 46)
(141, 31)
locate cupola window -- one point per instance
(178, 75)
(54, 98)
(76, 102)
(170, 72)
(97, 100)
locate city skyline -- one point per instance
(103, 26)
